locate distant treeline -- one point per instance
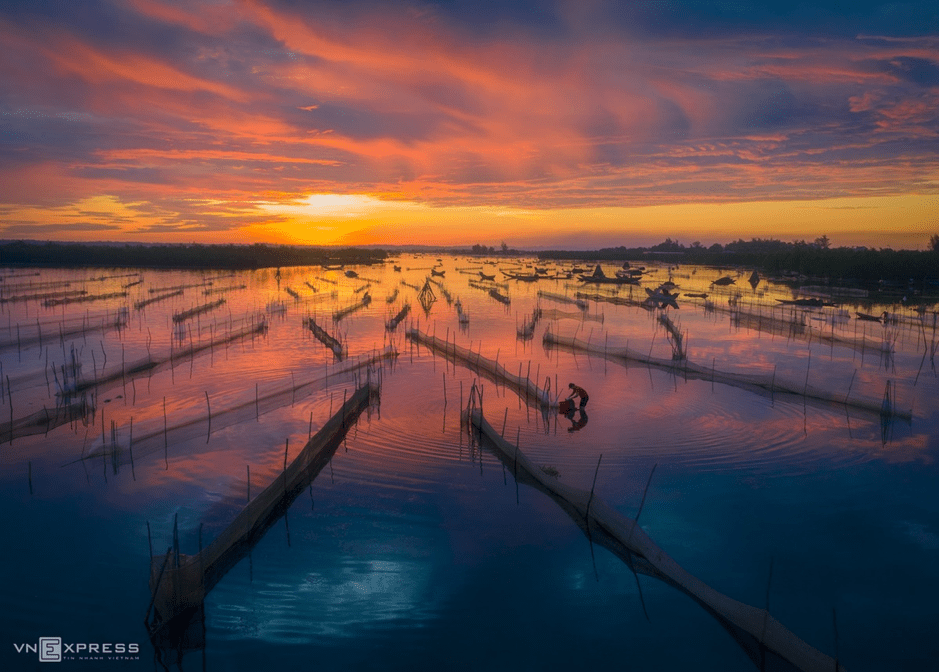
(231, 257)
(860, 265)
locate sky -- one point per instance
(570, 124)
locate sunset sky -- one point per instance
(575, 124)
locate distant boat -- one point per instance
(523, 278)
(726, 280)
(661, 298)
(351, 274)
(397, 269)
(434, 271)
(483, 276)
(805, 302)
(599, 278)
(869, 318)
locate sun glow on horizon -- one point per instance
(360, 219)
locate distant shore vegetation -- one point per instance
(195, 256)
(865, 266)
(860, 265)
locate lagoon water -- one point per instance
(414, 549)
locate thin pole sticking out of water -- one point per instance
(10, 396)
(807, 369)
(590, 500)
(645, 492)
(130, 448)
(248, 469)
(209, 408)
(176, 540)
(257, 407)
(850, 385)
(165, 440)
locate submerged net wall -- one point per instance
(555, 314)
(179, 583)
(37, 333)
(339, 314)
(122, 446)
(760, 383)
(393, 323)
(561, 298)
(765, 640)
(71, 402)
(325, 338)
(150, 365)
(794, 326)
(522, 386)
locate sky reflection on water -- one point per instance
(411, 539)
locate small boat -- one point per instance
(818, 303)
(483, 276)
(397, 269)
(661, 298)
(869, 318)
(351, 274)
(434, 271)
(523, 278)
(598, 278)
(722, 282)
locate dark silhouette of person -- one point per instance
(580, 423)
(578, 392)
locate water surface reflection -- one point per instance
(410, 543)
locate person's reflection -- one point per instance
(576, 425)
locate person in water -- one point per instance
(578, 392)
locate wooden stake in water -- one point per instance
(590, 500)
(10, 396)
(209, 409)
(850, 385)
(645, 492)
(130, 448)
(165, 439)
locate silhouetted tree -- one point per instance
(934, 242)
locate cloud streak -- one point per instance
(207, 112)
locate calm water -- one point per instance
(413, 550)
